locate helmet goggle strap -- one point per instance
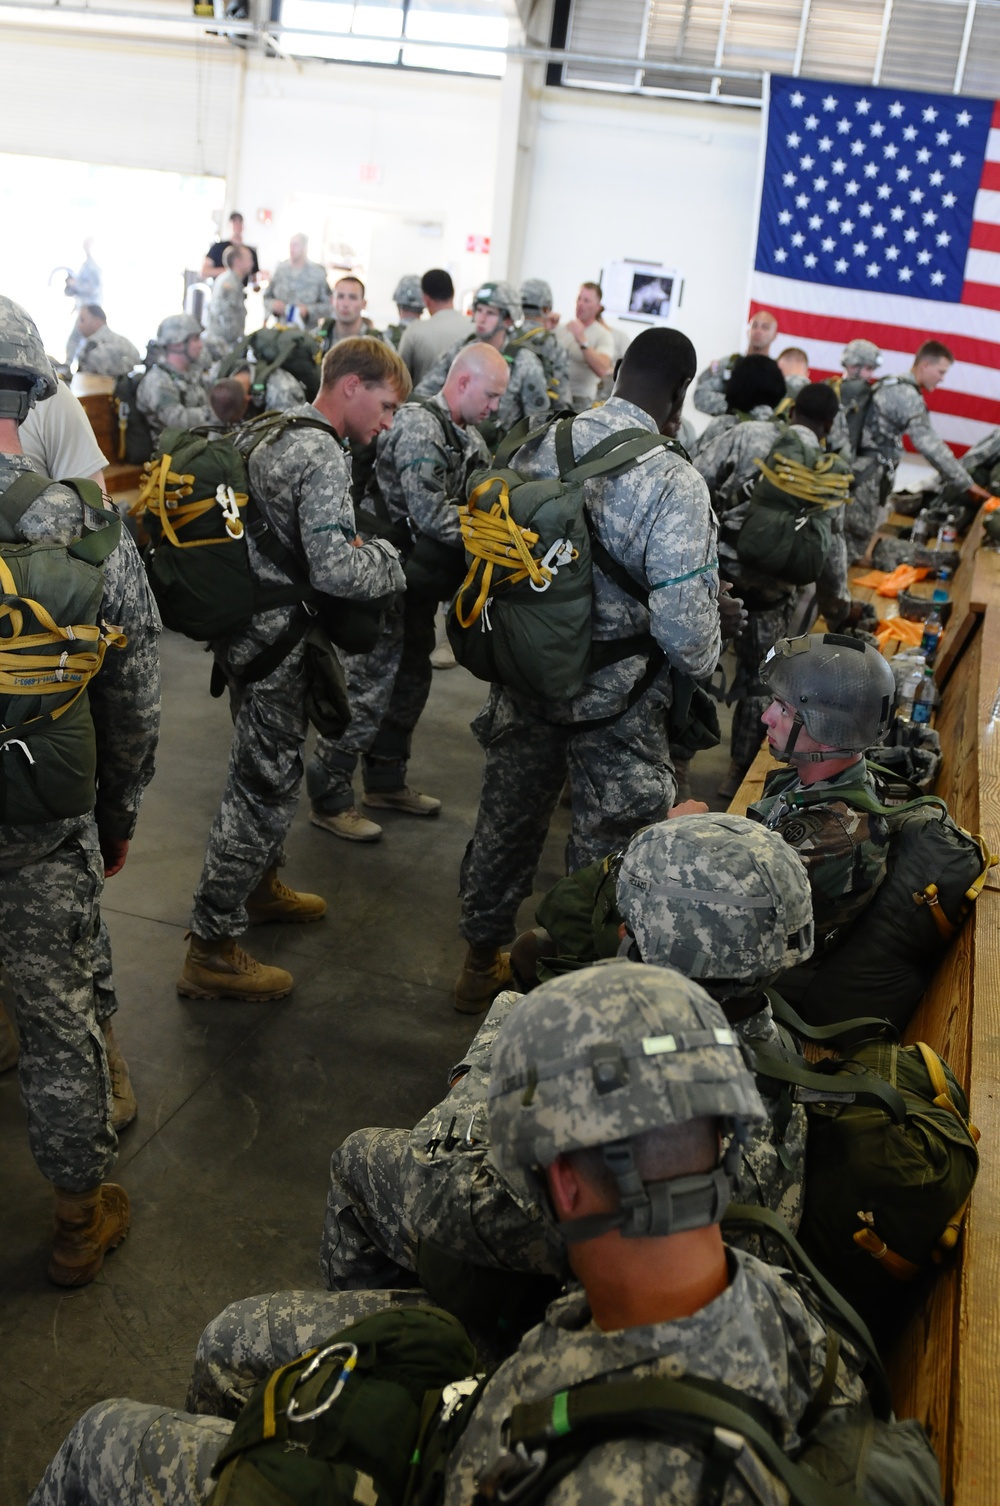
(653, 1210)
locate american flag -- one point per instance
(880, 217)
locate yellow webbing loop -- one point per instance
(943, 1098)
(894, 1265)
(494, 539)
(817, 484)
(162, 495)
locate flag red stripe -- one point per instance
(996, 113)
(985, 237)
(963, 405)
(982, 295)
(991, 175)
(887, 336)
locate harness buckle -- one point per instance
(558, 554)
(349, 1352)
(226, 498)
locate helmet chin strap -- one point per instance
(787, 754)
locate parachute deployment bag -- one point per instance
(51, 646)
(522, 617)
(348, 1422)
(885, 960)
(788, 528)
(284, 348)
(135, 438)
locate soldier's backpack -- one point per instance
(135, 438)
(52, 644)
(787, 528)
(885, 959)
(855, 395)
(291, 349)
(884, 1199)
(534, 339)
(522, 617)
(352, 1421)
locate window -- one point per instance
(352, 33)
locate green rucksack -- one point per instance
(522, 617)
(884, 1200)
(286, 347)
(355, 1421)
(787, 530)
(886, 957)
(855, 394)
(135, 437)
(52, 643)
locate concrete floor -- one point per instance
(240, 1105)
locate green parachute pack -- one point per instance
(52, 644)
(284, 347)
(787, 530)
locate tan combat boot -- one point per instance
(486, 972)
(223, 970)
(9, 1048)
(349, 824)
(410, 802)
(273, 900)
(124, 1106)
(88, 1224)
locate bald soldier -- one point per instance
(422, 465)
(710, 389)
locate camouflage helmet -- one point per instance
(860, 353)
(598, 1057)
(840, 689)
(536, 293)
(22, 355)
(408, 294)
(718, 897)
(498, 295)
(177, 329)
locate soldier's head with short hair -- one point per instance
(229, 399)
(761, 332)
(931, 364)
(90, 319)
(437, 289)
(754, 382)
(793, 361)
(349, 300)
(816, 406)
(237, 259)
(298, 246)
(477, 379)
(363, 383)
(589, 302)
(655, 373)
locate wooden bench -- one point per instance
(944, 1368)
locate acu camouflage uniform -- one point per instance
(420, 471)
(52, 940)
(106, 354)
(172, 399)
(728, 464)
(710, 388)
(306, 287)
(301, 481)
(844, 850)
(534, 336)
(227, 314)
(656, 521)
(527, 394)
(897, 408)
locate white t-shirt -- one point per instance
(582, 381)
(57, 438)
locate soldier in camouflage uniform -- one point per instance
(633, 1185)
(496, 311)
(298, 284)
(536, 335)
(102, 352)
(227, 312)
(409, 301)
(897, 409)
(52, 941)
(420, 474)
(172, 393)
(710, 388)
(833, 698)
(301, 480)
(349, 321)
(656, 521)
(731, 469)
(713, 896)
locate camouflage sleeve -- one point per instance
(418, 463)
(839, 439)
(283, 391)
(926, 438)
(532, 389)
(844, 852)
(682, 567)
(713, 461)
(709, 394)
(157, 397)
(125, 695)
(320, 302)
(435, 379)
(319, 477)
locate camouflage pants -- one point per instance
(259, 800)
(868, 509)
(388, 690)
(621, 779)
(764, 627)
(56, 953)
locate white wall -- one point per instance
(666, 181)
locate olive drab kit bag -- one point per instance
(884, 960)
(522, 616)
(135, 438)
(267, 350)
(787, 528)
(52, 643)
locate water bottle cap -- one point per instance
(939, 596)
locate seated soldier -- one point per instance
(833, 698)
(625, 1170)
(738, 915)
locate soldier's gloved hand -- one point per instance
(733, 615)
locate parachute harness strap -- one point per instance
(820, 485)
(163, 492)
(494, 540)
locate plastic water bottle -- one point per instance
(933, 627)
(948, 533)
(908, 690)
(924, 699)
(920, 529)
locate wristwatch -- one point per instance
(583, 344)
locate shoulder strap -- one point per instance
(860, 798)
(101, 528)
(16, 500)
(819, 1087)
(446, 421)
(864, 1027)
